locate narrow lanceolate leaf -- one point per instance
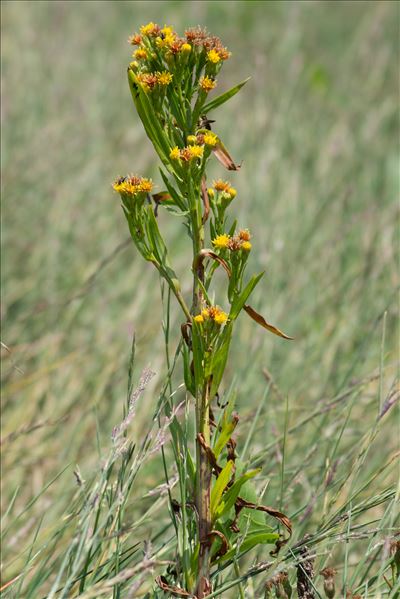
(232, 494)
(222, 154)
(240, 301)
(262, 322)
(225, 434)
(251, 540)
(224, 97)
(220, 486)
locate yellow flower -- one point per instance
(210, 139)
(133, 185)
(145, 185)
(192, 139)
(195, 151)
(166, 40)
(210, 192)
(149, 29)
(213, 56)
(232, 192)
(220, 317)
(134, 65)
(164, 78)
(205, 313)
(175, 153)
(186, 48)
(199, 318)
(207, 84)
(167, 31)
(246, 246)
(221, 241)
(220, 185)
(140, 54)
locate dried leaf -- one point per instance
(222, 154)
(242, 503)
(224, 547)
(210, 254)
(261, 321)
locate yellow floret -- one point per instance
(175, 153)
(196, 151)
(213, 56)
(220, 317)
(192, 139)
(186, 48)
(246, 246)
(164, 78)
(210, 139)
(221, 241)
(232, 192)
(140, 54)
(207, 84)
(199, 318)
(148, 29)
(211, 193)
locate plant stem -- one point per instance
(203, 468)
(203, 491)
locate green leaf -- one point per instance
(220, 485)
(228, 427)
(250, 541)
(240, 301)
(220, 357)
(219, 100)
(233, 493)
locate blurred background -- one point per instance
(317, 130)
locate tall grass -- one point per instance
(318, 128)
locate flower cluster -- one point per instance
(212, 313)
(150, 80)
(161, 53)
(222, 190)
(240, 241)
(133, 185)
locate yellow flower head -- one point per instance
(166, 39)
(175, 153)
(192, 139)
(133, 185)
(232, 192)
(217, 315)
(211, 193)
(213, 56)
(140, 54)
(207, 84)
(149, 29)
(220, 185)
(210, 139)
(167, 31)
(195, 151)
(221, 241)
(147, 80)
(186, 48)
(164, 78)
(246, 246)
(199, 318)
(220, 317)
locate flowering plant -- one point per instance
(217, 519)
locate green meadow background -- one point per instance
(317, 130)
